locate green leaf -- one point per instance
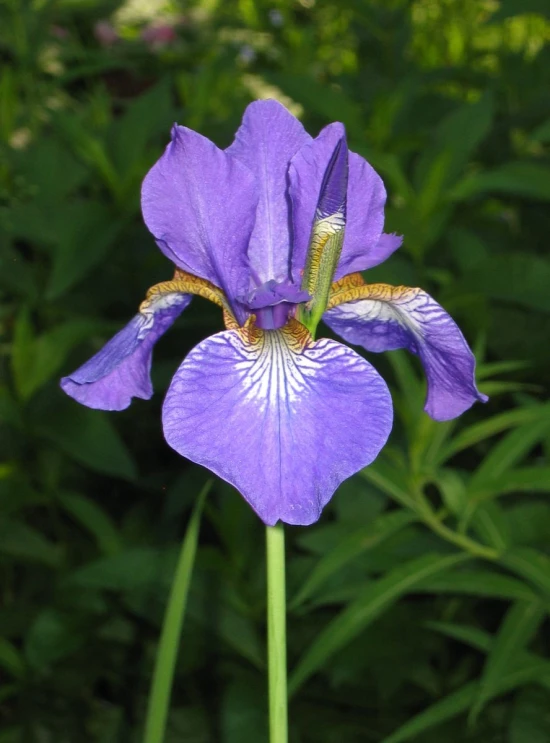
(243, 715)
(472, 636)
(523, 479)
(47, 156)
(510, 8)
(322, 99)
(529, 564)
(491, 526)
(11, 734)
(493, 368)
(541, 133)
(367, 607)
(89, 231)
(521, 622)
(167, 651)
(453, 490)
(529, 522)
(35, 360)
(89, 437)
(25, 543)
(454, 142)
(467, 247)
(482, 583)
(389, 167)
(11, 660)
(94, 519)
(480, 640)
(150, 114)
(390, 480)
(510, 450)
(530, 721)
(89, 148)
(524, 179)
(477, 432)
(349, 548)
(459, 701)
(130, 570)
(51, 637)
(517, 278)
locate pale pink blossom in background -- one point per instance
(59, 32)
(158, 35)
(105, 33)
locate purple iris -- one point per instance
(281, 416)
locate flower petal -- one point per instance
(266, 141)
(365, 203)
(383, 318)
(282, 418)
(386, 246)
(199, 202)
(121, 370)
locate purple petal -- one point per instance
(200, 204)
(365, 203)
(266, 141)
(121, 370)
(282, 418)
(399, 317)
(386, 245)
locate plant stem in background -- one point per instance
(276, 634)
(165, 662)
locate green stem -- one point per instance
(460, 540)
(165, 662)
(276, 634)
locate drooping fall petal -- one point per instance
(384, 318)
(282, 418)
(121, 369)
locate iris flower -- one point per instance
(276, 230)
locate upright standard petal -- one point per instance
(366, 197)
(282, 418)
(200, 202)
(383, 318)
(121, 370)
(266, 141)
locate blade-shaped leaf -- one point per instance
(518, 627)
(369, 605)
(526, 179)
(480, 640)
(523, 479)
(351, 547)
(93, 518)
(480, 431)
(460, 701)
(510, 450)
(390, 480)
(90, 437)
(456, 139)
(479, 583)
(529, 564)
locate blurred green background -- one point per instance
(418, 605)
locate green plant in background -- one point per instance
(88, 548)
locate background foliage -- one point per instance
(419, 603)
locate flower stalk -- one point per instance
(276, 634)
